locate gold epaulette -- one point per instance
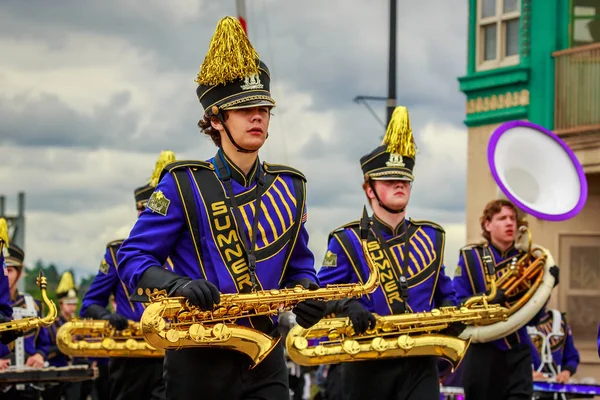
(427, 223)
(185, 164)
(115, 243)
(282, 169)
(341, 228)
(476, 244)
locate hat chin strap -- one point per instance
(239, 148)
(386, 208)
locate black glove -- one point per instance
(361, 318)
(555, 272)
(118, 321)
(8, 336)
(199, 292)
(308, 312)
(454, 329)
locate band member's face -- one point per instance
(248, 127)
(13, 276)
(68, 310)
(393, 194)
(503, 226)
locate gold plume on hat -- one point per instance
(230, 55)
(4, 233)
(66, 283)
(399, 137)
(166, 157)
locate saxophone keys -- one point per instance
(108, 344)
(234, 310)
(221, 332)
(219, 312)
(300, 343)
(351, 346)
(197, 332)
(379, 344)
(406, 342)
(172, 335)
(131, 344)
(320, 350)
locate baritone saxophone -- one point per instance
(173, 323)
(99, 339)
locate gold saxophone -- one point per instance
(172, 323)
(26, 324)
(333, 340)
(97, 338)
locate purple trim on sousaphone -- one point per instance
(580, 173)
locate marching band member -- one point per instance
(552, 336)
(500, 369)
(230, 224)
(66, 294)
(129, 377)
(5, 307)
(417, 285)
(30, 349)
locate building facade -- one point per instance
(539, 60)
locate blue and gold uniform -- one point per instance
(428, 285)
(411, 272)
(5, 308)
(129, 377)
(501, 368)
(32, 347)
(226, 229)
(564, 354)
(470, 279)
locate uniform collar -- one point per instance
(237, 174)
(506, 253)
(387, 229)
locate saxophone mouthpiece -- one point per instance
(41, 280)
(365, 223)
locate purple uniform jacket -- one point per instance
(108, 281)
(428, 285)
(5, 308)
(470, 279)
(200, 235)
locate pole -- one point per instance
(391, 100)
(240, 6)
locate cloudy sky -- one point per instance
(93, 91)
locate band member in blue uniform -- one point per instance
(500, 369)
(66, 294)
(34, 342)
(5, 307)
(230, 224)
(552, 337)
(417, 285)
(129, 377)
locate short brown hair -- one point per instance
(492, 208)
(206, 127)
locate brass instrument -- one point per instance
(399, 335)
(26, 324)
(97, 338)
(172, 323)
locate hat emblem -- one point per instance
(395, 161)
(252, 82)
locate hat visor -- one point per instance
(393, 178)
(250, 104)
(69, 300)
(10, 262)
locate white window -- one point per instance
(497, 33)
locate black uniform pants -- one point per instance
(213, 373)
(410, 378)
(136, 378)
(493, 374)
